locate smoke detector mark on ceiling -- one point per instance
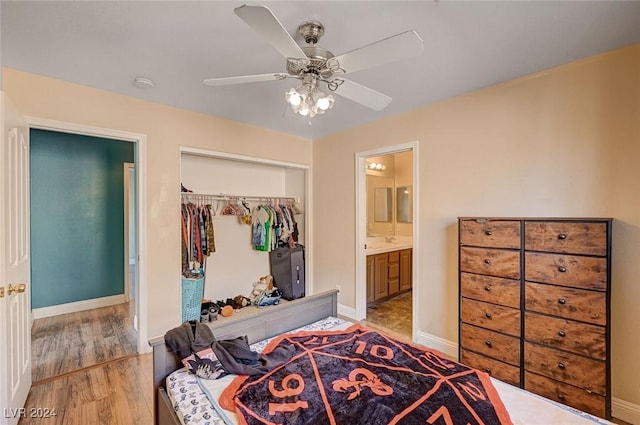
(143, 83)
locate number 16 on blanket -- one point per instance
(287, 391)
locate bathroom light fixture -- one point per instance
(307, 100)
(376, 166)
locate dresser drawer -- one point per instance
(502, 371)
(494, 234)
(498, 346)
(562, 237)
(566, 270)
(569, 303)
(566, 394)
(580, 338)
(491, 316)
(495, 290)
(492, 262)
(578, 371)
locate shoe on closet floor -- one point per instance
(204, 316)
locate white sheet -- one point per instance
(526, 408)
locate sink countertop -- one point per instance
(378, 245)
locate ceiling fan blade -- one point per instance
(261, 19)
(227, 81)
(363, 95)
(399, 46)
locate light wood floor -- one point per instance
(68, 342)
(86, 370)
(109, 391)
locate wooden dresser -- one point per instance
(535, 305)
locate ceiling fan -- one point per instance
(315, 66)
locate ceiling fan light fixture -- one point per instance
(307, 100)
(293, 97)
(323, 102)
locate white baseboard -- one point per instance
(54, 310)
(445, 346)
(347, 311)
(626, 411)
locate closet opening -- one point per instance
(386, 190)
(225, 182)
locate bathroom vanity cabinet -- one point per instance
(388, 274)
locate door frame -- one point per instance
(140, 160)
(127, 169)
(361, 228)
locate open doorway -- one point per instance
(386, 238)
(84, 210)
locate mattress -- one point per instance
(195, 399)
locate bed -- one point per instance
(309, 313)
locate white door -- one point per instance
(15, 293)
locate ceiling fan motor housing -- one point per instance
(317, 64)
(311, 31)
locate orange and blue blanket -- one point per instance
(360, 376)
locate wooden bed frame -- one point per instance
(256, 323)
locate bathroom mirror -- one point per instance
(404, 204)
(383, 203)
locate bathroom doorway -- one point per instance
(386, 238)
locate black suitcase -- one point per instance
(287, 269)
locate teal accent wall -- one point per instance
(77, 217)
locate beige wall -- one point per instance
(565, 142)
(166, 130)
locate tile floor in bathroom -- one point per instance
(394, 315)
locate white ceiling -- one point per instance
(467, 45)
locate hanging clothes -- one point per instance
(197, 235)
(273, 226)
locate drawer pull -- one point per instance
(562, 269)
(488, 343)
(488, 233)
(487, 288)
(562, 334)
(488, 315)
(561, 396)
(487, 261)
(562, 301)
(561, 365)
(562, 236)
(487, 369)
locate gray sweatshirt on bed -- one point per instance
(234, 355)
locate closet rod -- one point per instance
(227, 197)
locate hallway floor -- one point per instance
(68, 342)
(85, 367)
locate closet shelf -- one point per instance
(227, 197)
